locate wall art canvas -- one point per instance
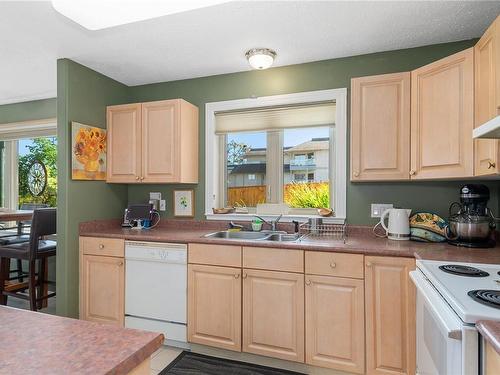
(184, 203)
(88, 153)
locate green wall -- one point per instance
(25, 111)
(328, 74)
(82, 96)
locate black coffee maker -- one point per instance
(471, 222)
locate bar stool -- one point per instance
(43, 224)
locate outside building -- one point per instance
(306, 162)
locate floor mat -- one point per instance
(188, 363)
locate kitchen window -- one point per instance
(279, 149)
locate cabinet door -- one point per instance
(160, 141)
(442, 110)
(491, 360)
(123, 162)
(102, 289)
(380, 127)
(390, 315)
(335, 329)
(487, 106)
(214, 306)
(273, 314)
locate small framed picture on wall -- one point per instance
(184, 203)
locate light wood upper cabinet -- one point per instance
(335, 329)
(380, 127)
(214, 306)
(442, 110)
(487, 98)
(273, 314)
(156, 144)
(390, 315)
(123, 159)
(102, 289)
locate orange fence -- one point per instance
(251, 195)
(246, 196)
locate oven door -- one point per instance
(445, 346)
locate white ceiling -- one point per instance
(213, 40)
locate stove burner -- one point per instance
(460, 270)
(486, 297)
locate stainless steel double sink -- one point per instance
(255, 236)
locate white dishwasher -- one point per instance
(156, 289)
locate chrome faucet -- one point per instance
(272, 223)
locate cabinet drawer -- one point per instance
(217, 255)
(102, 246)
(266, 258)
(334, 264)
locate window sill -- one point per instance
(284, 219)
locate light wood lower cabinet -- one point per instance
(491, 360)
(390, 315)
(273, 314)
(328, 317)
(102, 289)
(335, 329)
(214, 306)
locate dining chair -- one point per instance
(20, 236)
(37, 249)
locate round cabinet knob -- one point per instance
(356, 174)
(491, 164)
(308, 282)
(120, 263)
(412, 173)
(369, 264)
(142, 178)
(245, 275)
(137, 177)
(237, 276)
(333, 264)
(101, 246)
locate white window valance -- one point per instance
(297, 116)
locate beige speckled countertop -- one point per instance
(36, 343)
(490, 330)
(359, 240)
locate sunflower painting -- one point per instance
(88, 152)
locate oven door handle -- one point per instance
(451, 324)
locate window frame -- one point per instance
(20, 130)
(215, 146)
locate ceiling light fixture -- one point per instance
(260, 58)
(101, 14)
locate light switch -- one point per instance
(163, 205)
(155, 196)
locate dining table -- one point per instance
(15, 215)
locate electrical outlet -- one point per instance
(163, 205)
(155, 196)
(377, 209)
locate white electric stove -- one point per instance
(451, 298)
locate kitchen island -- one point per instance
(36, 343)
